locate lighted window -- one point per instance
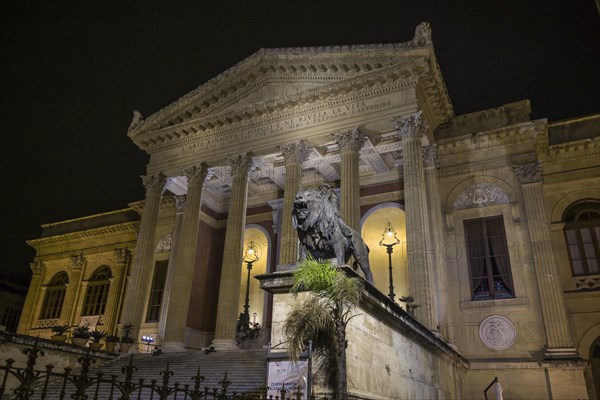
(489, 263)
(96, 295)
(55, 296)
(158, 287)
(582, 234)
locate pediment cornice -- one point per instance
(393, 78)
(312, 64)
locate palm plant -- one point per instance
(323, 318)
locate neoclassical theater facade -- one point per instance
(497, 218)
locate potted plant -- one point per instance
(58, 333)
(126, 339)
(96, 336)
(111, 342)
(80, 335)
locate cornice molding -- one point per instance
(97, 232)
(577, 150)
(525, 132)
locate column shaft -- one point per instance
(183, 271)
(411, 130)
(141, 265)
(229, 289)
(350, 143)
(552, 300)
(295, 154)
(33, 297)
(164, 306)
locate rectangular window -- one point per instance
(10, 320)
(489, 263)
(53, 302)
(158, 287)
(96, 298)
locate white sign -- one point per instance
(288, 373)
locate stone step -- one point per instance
(246, 372)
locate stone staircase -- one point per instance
(246, 370)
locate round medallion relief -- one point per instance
(497, 332)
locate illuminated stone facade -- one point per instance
(497, 216)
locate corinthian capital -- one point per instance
(154, 183)
(529, 173)
(410, 126)
(78, 261)
(239, 163)
(294, 152)
(430, 156)
(180, 203)
(37, 267)
(196, 174)
(349, 140)
(122, 255)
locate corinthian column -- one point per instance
(183, 269)
(141, 265)
(350, 142)
(164, 306)
(33, 297)
(231, 270)
(295, 154)
(122, 257)
(411, 129)
(554, 312)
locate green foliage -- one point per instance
(126, 338)
(97, 335)
(60, 329)
(81, 332)
(323, 318)
(112, 338)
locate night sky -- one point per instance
(72, 75)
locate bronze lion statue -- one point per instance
(322, 232)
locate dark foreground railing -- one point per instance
(82, 384)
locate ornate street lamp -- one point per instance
(389, 240)
(251, 255)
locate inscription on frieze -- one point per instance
(275, 128)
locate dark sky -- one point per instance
(72, 74)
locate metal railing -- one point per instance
(84, 384)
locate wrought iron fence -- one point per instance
(84, 384)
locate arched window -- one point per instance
(55, 296)
(97, 292)
(582, 234)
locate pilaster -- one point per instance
(229, 289)
(556, 324)
(411, 129)
(34, 296)
(294, 154)
(77, 266)
(142, 262)
(122, 257)
(439, 297)
(350, 142)
(183, 268)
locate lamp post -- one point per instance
(251, 255)
(147, 340)
(389, 240)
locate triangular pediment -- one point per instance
(273, 74)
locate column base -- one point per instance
(172, 347)
(224, 344)
(560, 353)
